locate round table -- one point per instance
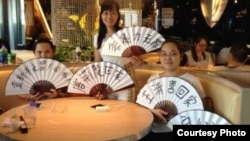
(74, 119)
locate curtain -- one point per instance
(12, 22)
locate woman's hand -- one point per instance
(159, 113)
(136, 61)
(30, 97)
(100, 96)
(34, 97)
(52, 94)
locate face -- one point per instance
(44, 50)
(110, 18)
(201, 46)
(170, 56)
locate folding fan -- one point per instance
(197, 117)
(132, 41)
(103, 77)
(38, 75)
(171, 94)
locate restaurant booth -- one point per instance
(229, 90)
(229, 94)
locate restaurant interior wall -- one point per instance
(189, 22)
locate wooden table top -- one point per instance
(78, 121)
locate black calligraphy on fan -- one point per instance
(114, 46)
(156, 43)
(137, 36)
(180, 91)
(98, 71)
(125, 39)
(79, 85)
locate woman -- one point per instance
(198, 56)
(108, 25)
(43, 48)
(170, 58)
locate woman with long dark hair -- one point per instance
(109, 23)
(197, 55)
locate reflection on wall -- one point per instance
(36, 23)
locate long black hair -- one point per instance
(107, 5)
(193, 48)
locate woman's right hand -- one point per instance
(159, 113)
(30, 97)
(100, 96)
(136, 61)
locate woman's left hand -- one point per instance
(52, 94)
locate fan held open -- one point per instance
(171, 94)
(132, 41)
(38, 75)
(99, 77)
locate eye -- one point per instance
(163, 54)
(173, 54)
(105, 13)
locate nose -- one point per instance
(43, 55)
(167, 57)
(109, 15)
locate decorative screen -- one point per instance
(74, 21)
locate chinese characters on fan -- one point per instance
(43, 66)
(180, 92)
(186, 120)
(154, 43)
(108, 71)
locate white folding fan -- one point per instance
(197, 117)
(171, 94)
(132, 41)
(103, 77)
(37, 75)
